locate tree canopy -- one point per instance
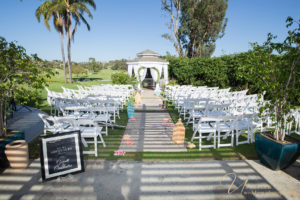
(21, 76)
(195, 25)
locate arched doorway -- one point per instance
(148, 82)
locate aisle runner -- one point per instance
(150, 132)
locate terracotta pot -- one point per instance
(17, 154)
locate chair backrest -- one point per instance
(46, 118)
(87, 122)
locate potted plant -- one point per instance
(276, 67)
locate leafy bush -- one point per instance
(77, 69)
(121, 78)
(172, 82)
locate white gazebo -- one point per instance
(148, 59)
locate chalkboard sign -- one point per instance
(61, 154)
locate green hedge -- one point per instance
(225, 71)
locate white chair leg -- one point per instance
(102, 140)
(96, 148)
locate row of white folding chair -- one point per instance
(208, 108)
(101, 114)
(82, 94)
(112, 104)
(198, 107)
(189, 106)
(117, 91)
(203, 91)
(206, 92)
(212, 93)
(213, 107)
(125, 90)
(219, 128)
(235, 98)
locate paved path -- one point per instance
(149, 132)
(149, 101)
(28, 121)
(153, 180)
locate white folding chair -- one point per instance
(244, 125)
(206, 129)
(49, 123)
(225, 128)
(90, 130)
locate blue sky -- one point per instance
(120, 28)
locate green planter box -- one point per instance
(275, 155)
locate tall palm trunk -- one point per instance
(69, 59)
(69, 33)
(63, 55)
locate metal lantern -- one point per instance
(178, 133)
(130, 111)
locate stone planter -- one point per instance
(17, 154)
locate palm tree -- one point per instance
(74, 10)
(47, 9)
(64, 12)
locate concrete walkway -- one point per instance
(154, 180)
(150, 132)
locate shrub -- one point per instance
(121, 78)
(77, 69)
(172, 82)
